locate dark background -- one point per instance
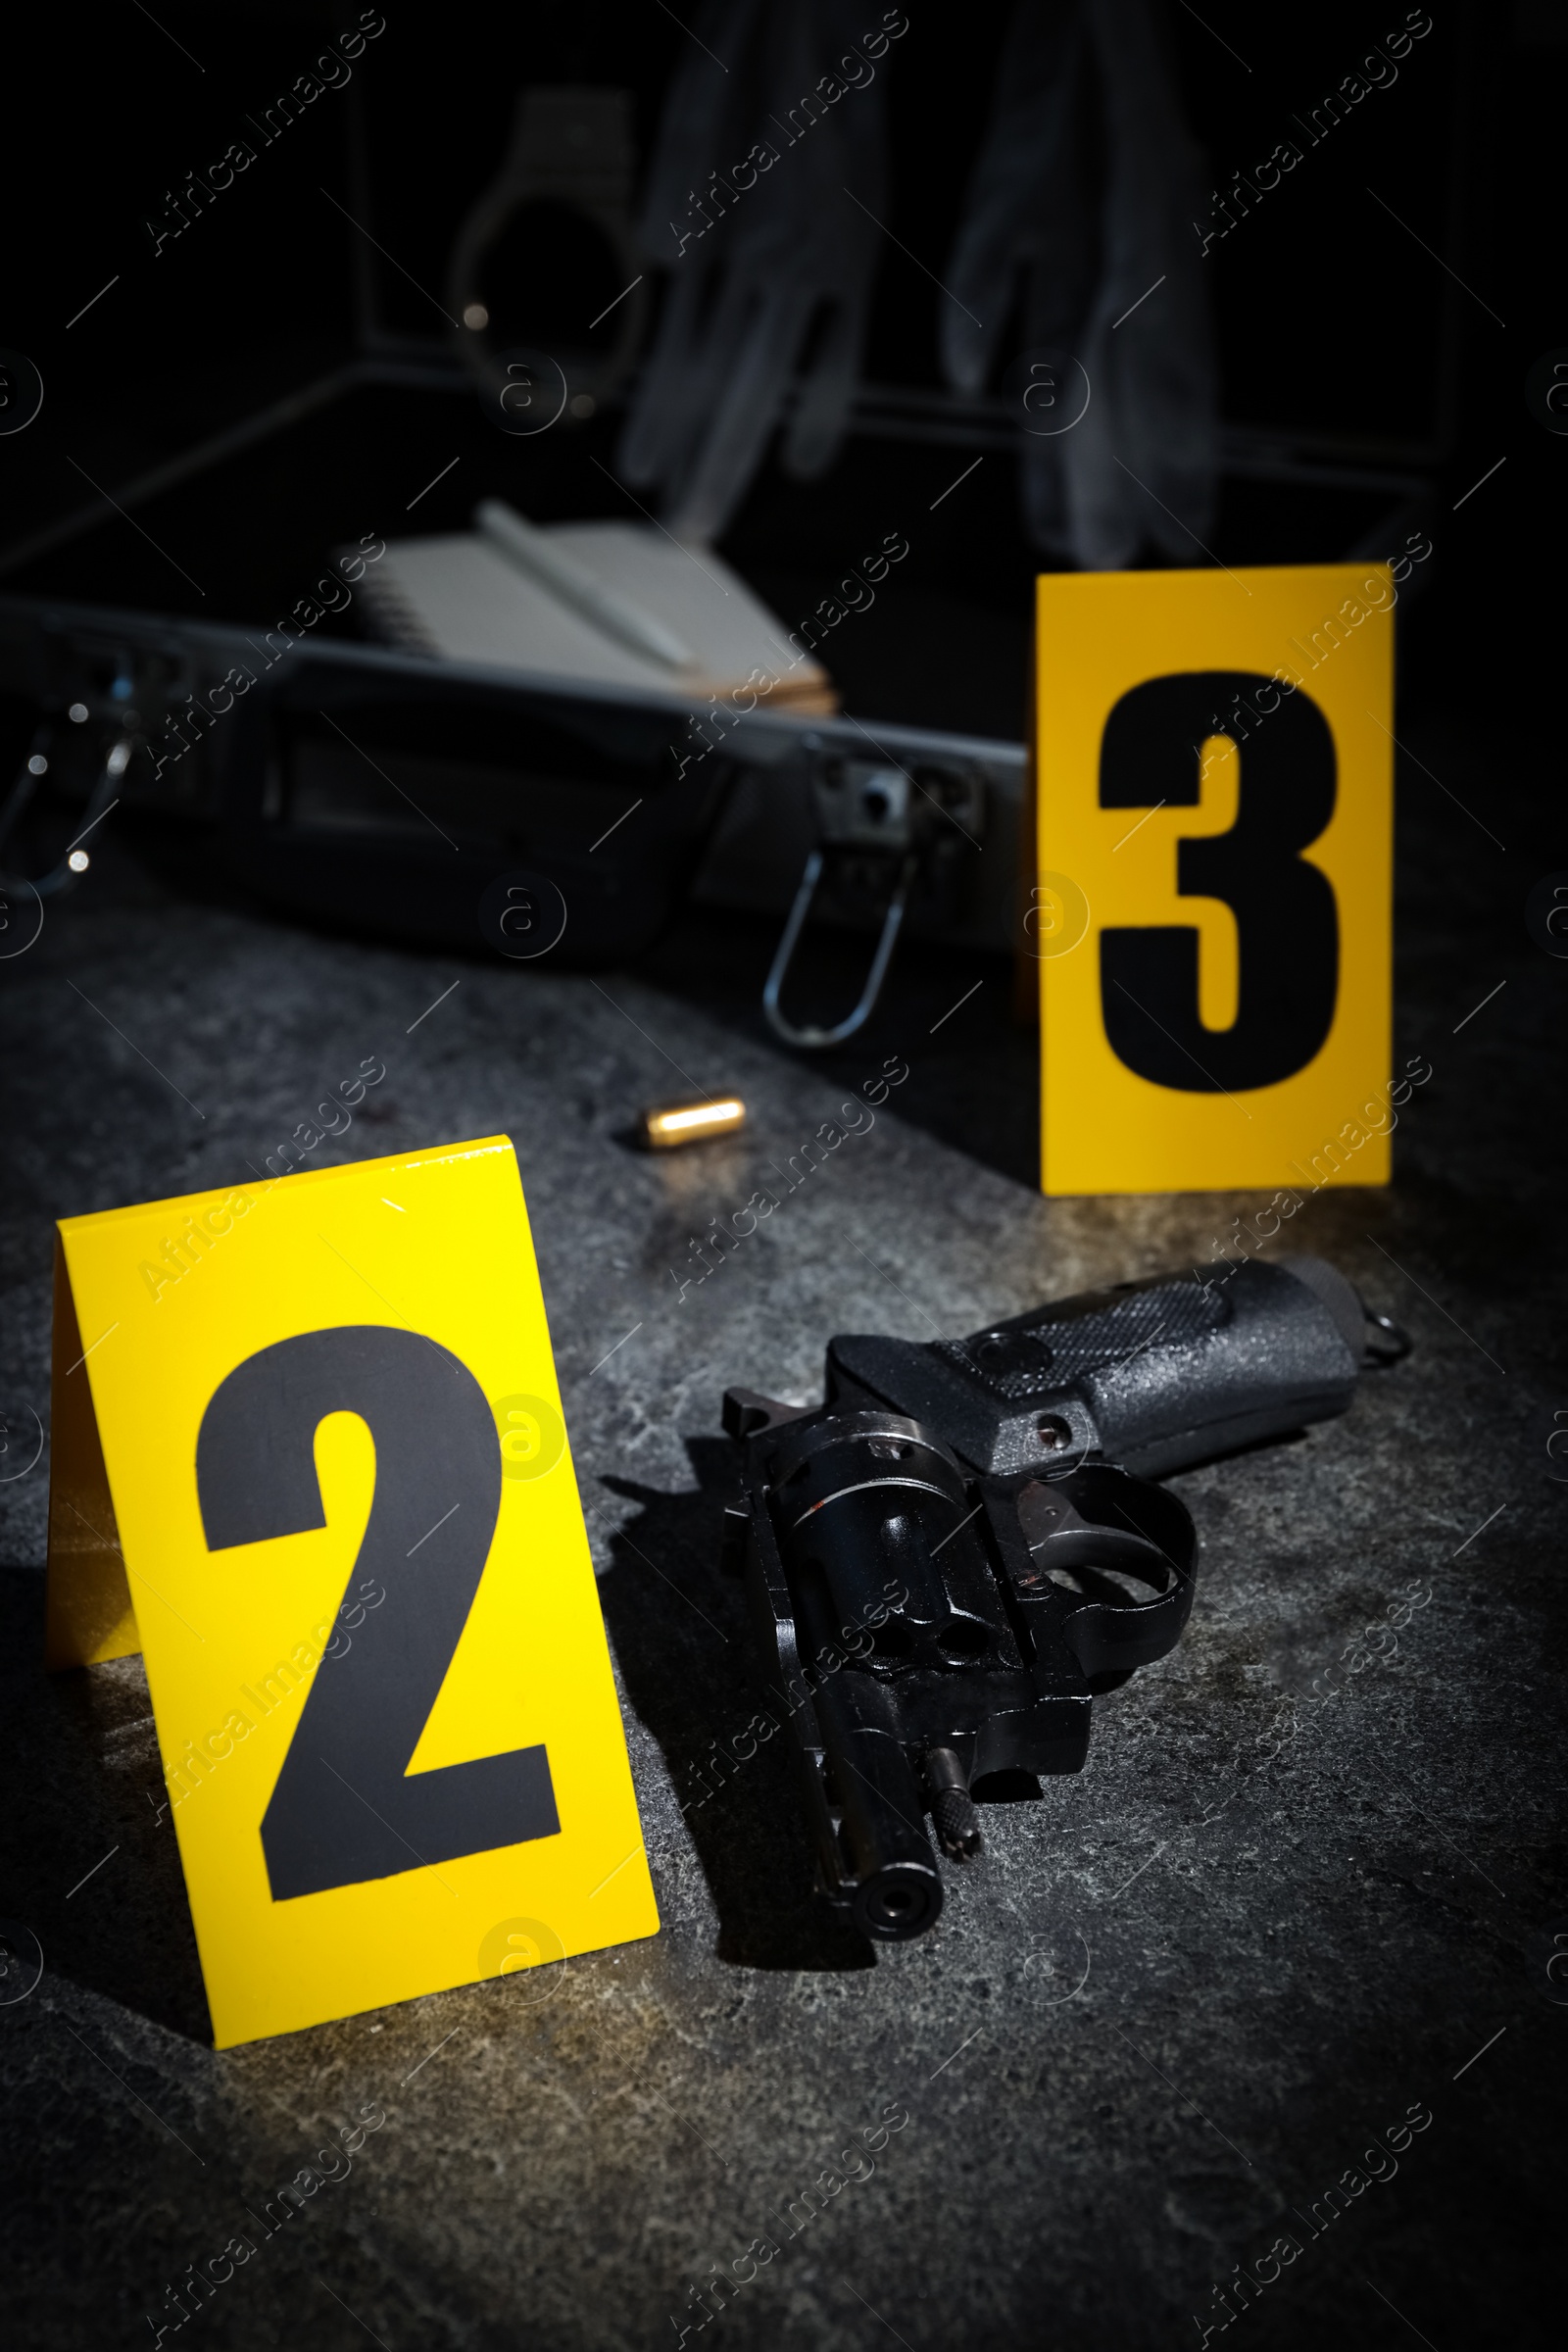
(1344, 346)
(1267, 1986)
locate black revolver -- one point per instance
(946, 1561)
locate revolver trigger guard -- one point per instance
(1094, 1520)
(1108, 1637)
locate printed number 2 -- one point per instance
(1287, 921)
(345, 1808)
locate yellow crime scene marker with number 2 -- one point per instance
(309, 1457)
(1213, 899)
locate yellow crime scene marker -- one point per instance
(310, 1460)
(1212, 905)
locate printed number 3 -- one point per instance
(345, 1808)
(1287, 921)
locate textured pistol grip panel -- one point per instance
(1277, 1360)
(1154, 1375)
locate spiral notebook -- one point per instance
(459, 597)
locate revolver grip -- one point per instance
(1155, 1375)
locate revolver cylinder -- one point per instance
(916, 1639)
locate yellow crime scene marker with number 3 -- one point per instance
(1213, 910)
(309, 1457)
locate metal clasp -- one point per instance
(865, 816)
(898, 825)
(811, 1036)
(73, 861)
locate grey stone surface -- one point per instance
(1170, 2005)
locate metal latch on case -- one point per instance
(881, 832)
